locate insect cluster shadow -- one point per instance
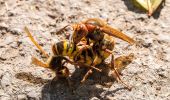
(61, 90)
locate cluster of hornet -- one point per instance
(90, 43)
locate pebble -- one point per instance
(95, 98)
(32, 95)
(29, 88)
(6, 80)
(9, 39)
(21, 97)
(5, 98)
(14, 45)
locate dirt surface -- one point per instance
(149, 73)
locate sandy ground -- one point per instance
(149, 73)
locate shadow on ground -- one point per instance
(92, 87)
(62, 90)
(131, 7)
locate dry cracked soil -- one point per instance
(148, 74)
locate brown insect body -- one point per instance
(95, 29)
(92, 30)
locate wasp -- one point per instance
(61, 50)
(94, 29)
(86, 57)
(92, 32)
(90, 56)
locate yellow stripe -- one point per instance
(65, 48)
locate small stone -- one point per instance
(14, 45)
(6, 80)
(158, 88)
(22, 97)
(10, 14)
(29, 88)
(4, 98)
(95, 98)
(32, 95)
(9, 40)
